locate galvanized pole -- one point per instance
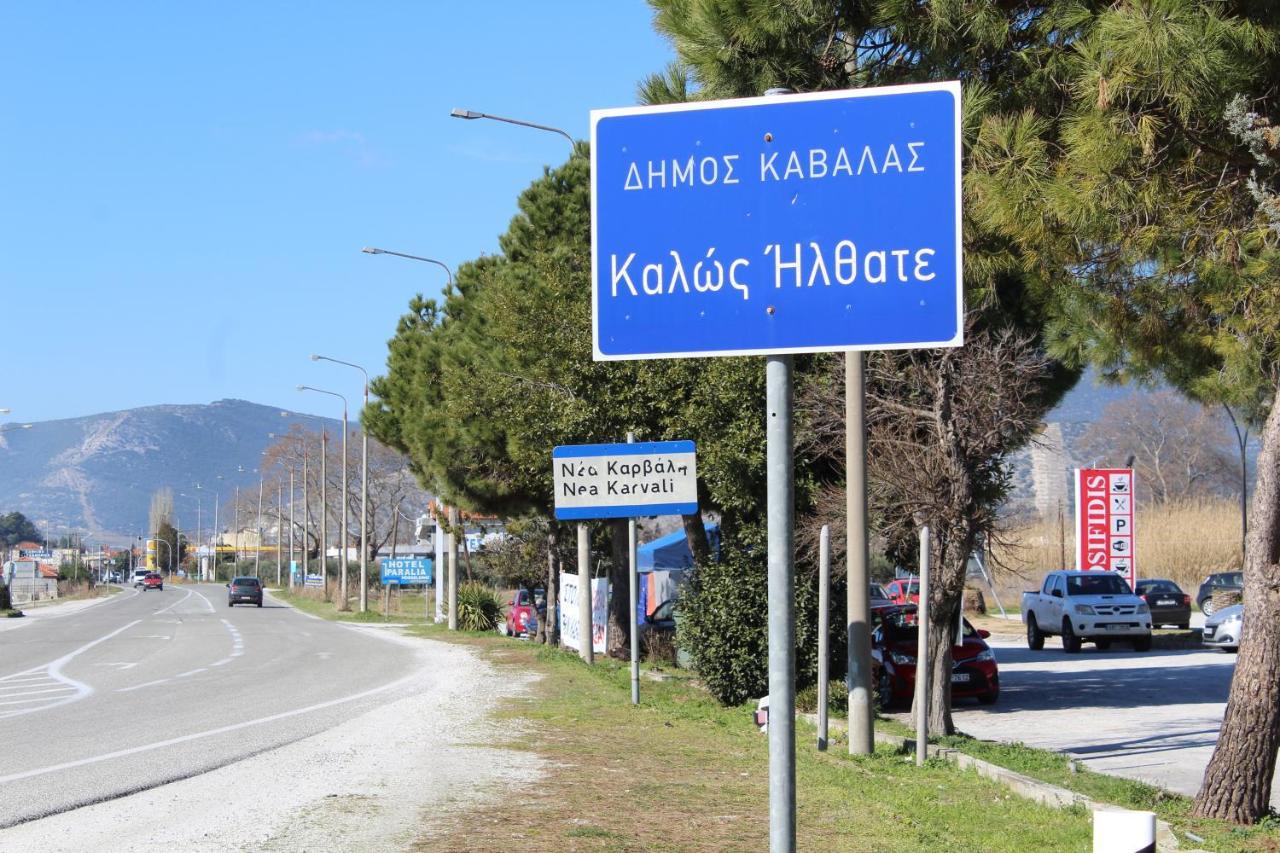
(857, 604)
(306, 517)
(342, 555)
(922, 653)
(585, 647)
(364, 503)
(257, 532)
(782, 656)
(291, 560)
(324, 511)
(634, 587)
(213, 564)
(453, 568)
(279, 524)
(824, 630)
(439, 567)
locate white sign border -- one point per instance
(952, 86)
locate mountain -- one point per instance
(95, 475)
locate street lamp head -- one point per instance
(467, 114)
(315, 357)
(300, 388)
(370, 250)
(4, 411)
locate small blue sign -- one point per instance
(625, 480)
(798, 223)
(408, 571)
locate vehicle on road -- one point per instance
(1086, 607)
(903, 590)
(974, 673)
(244, 590)
(1169, 605)
(878, 598)
(138, 576)
(1214, 584)
(153, 580)
(524, 611)
(1222, 629)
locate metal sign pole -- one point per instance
(858, 609)
(922, 653)
(782, 658)
(585, 647)
(824, 630)
(634, 584)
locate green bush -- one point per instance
(724, 621)
(479, 607)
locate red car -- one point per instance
(903, 590)
(152, 581)
(974, 673)
(524, 610)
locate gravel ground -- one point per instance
(377, 782)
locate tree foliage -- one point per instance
(16, 527)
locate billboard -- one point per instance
(1105, 538)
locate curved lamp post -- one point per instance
(342, 557)
(364, 483)
(472, 114)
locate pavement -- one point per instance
(118, 703)
(1150, 716)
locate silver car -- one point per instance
(1222, 629)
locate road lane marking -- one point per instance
(190, 672)
(144, 684)
(53, 670)
(207, 602)
(62, 689)
(136, 750)
(175, 604)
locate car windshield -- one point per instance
(1148, 587)
(877, 591)
(523, 598)
(1096, 583)
(1233, 579)
(245, 582)
(664, 610)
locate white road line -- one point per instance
(175, 604)
(53, 670)
(190, 672)
(207, 602)
(144, 684)
(121, 753)
(62, 689)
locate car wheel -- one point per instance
(884, 691)
(1035, 639)
(1142, 644)
(231, 604)
(1186, 627)
(1207, 607)
(259, 603)
(1102, 644)
(988, 698)
(1070, 642)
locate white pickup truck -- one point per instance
(1095, 607)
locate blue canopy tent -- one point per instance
(671, 555)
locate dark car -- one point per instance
(877, 597)
(1214, 584)
(974, 673)
(152, 580)
(244, 591)
(1168, 603)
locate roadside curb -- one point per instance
(1024, 786)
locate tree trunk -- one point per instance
(946, 589)
(619, 590)
(549, 629)
(695, 533)
(1237, 782)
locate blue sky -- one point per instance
(187, 186)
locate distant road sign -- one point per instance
(407, 571)
(822, 221)
(625, 480)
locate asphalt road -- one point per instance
(1150, 716)
(150, 687)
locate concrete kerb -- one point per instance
(1024, 786)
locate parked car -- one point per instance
(974, 673)
(878, 598)
(525, 609)
(152, 580)
(1086, 607)
(1222, 629)
(244, 591)
(1214, 584)
(903, 590)
(1169, 605)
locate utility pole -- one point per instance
(279, 526)
(586, 646)
(857, 587)
(324, 510)
(257, 531)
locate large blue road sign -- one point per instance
(407, 571)
(799, 223)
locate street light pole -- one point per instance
(342, 557)
(364, 484)
(472, 114)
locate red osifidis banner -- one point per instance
(1104, 521)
